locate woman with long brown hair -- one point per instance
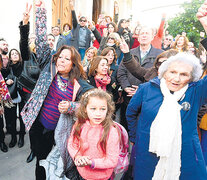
(181, 43)
(60, 85)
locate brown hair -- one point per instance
(77, 71)
(82, 116)
(20, 58)
(105, 51)
(185, 46)
(94, 65)
(116, 38)
(165, 54)
(114, 25)
(94, 52)
(66, 24)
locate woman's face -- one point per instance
(102, 67)
(124, 24)
(180, 42)
(111, 40)
(178, 75)
(110, 57)
(14, 56)
(90, 54)
(64, 63)
(110, 28)
(66, 28)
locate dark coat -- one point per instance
(147, 102)
(31, 66)
(74, 41)
(61, 41)
(124, 76)
(141, 73)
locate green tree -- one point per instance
(187, 21)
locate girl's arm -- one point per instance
(112, 152)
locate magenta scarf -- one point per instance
(102, 82)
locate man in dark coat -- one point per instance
(81, 37)
(145, 54)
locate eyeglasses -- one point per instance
(82, 20)
(168, 39)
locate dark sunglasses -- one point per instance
(82, 20)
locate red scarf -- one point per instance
(101, 83)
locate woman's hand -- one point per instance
(71, 4)
(81, 161)
(1, 110)
(40, 3)
(9, 82)
(26, 14)
(124, 46)
(63, 106)
(105, 32)
(202, 15)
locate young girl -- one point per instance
(94, 141)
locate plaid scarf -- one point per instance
(101, 83)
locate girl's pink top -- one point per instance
(104, 164)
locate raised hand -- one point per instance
(202, 15)
(26, 14)
(105, 32)
(124, 46)
(71, 4)
(40, 3)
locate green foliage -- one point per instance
(187, 21)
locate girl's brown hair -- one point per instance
(106, 50)
(66, 24)
(77, 71)
(82, 116)
(94, 65)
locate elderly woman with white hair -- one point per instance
(165, 136)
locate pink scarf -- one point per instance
(101, 83)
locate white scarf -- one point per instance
(165, 135)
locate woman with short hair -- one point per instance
(165, 136)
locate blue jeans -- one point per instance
(82, 52)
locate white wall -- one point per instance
(11, 13)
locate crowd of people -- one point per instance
(81, 93)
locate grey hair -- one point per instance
(185, 58)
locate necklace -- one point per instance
(62, 86)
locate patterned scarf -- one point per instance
(101, 83)
(5, 97)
